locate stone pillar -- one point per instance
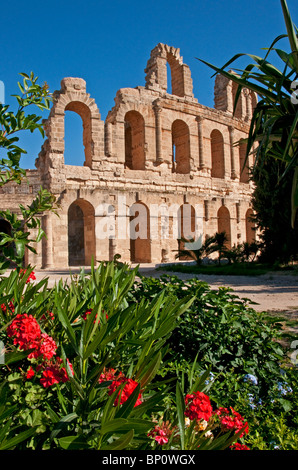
(202, 162)
(233, 172)
(157, 110)
(109, 138)
(248, 100)
(47, 242)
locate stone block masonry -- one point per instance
(160, 167)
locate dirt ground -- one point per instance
(276, 292)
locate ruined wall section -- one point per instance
(155, 147)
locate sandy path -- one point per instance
(272, 291)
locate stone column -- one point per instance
(233, 172)
(109, 138)
(157, 110)
(47, 242)
(202, 162)
(248, 103)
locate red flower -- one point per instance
(45, 348)
(84, 316)
(49, 377)
(54, 373)
(238, 446)
(129, 387)
(25, 330)
(30, 373)
(31, 276)
(230, 420)
(198, 406)
(119, 379)
(161, 433)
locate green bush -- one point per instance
(80, 366)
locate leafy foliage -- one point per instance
(97, 330)
(15, 239)
(270, 201)
(274, 122)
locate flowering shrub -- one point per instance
(230, 420)
(69, 384)
(119, 380)
(198, 406)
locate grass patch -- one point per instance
(237, 269)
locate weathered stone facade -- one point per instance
(156, 149)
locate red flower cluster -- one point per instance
(84, 316)
(26, 334)
(198, 406)
(26, 331)
(31, 276)
(118, 379)
(231, 420)
(238, 446)
(10, 306)
(54, 373)
(161, 433)
(46, 348)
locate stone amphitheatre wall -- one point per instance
(161, 165)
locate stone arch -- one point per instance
(186, 226)
(180, 147)
(224, 224)
(156, 71)
(81, 233)
(134, 135)
(73, 97)
(139, 231)
(217, 154)
(250, 226)
(84, 112)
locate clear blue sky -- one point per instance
(108, 43)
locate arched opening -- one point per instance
(78, 138)
(74, 151)
(186, 227)
(250, 227)
(217, 154)
(81, 233)
(134, 129)
(239, 108)
(139, 228)
(169, 79)
(175, 80)
(244, 168)
(180, 147)
(224, 224)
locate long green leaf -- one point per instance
(14, 441)
(121, 443)
(180, 413)
(291, 32)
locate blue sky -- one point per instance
(108, 44)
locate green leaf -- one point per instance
(13, 442)
(180, 403)
(121, 443)
(74, 443)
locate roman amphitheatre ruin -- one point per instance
(155, 150)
